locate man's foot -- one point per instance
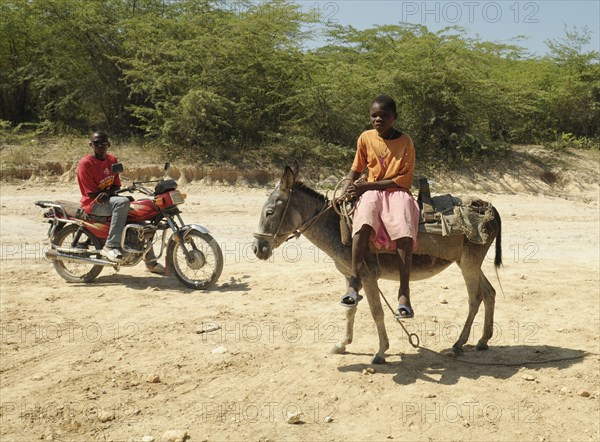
(156, 268)
(112, 254)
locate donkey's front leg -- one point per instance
(372, 292)
(340, 347)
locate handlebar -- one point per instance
(136, 187)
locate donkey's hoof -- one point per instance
(481, 346)
(378, 360)
(458, 351)
(338, 349)
(453, 352)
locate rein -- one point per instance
(276, 238)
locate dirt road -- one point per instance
(121, 358)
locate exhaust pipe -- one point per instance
(55, 255)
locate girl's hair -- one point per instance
(386, 103)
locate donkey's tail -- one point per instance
(498, 257)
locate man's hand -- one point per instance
(102, 197)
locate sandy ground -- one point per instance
(76, 360)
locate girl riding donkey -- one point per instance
(386, 212)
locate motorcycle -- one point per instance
(76, 238)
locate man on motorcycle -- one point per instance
(98, 186)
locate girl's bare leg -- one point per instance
(404, 247)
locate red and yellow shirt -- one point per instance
(95, 175)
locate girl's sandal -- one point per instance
(351, 299)
(404, 312)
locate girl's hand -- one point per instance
(355, 189)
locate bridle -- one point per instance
(276, 239)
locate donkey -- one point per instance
(294, 208)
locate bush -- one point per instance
(570, 141)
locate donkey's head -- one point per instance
(279, 218)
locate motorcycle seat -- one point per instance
(73, 210)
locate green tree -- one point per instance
(575, 104)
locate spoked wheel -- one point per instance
(72, 237)
(204, 265)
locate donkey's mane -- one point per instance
(299, 185)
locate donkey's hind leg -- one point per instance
(472, 279)
(489, 301)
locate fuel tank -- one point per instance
(142, 210)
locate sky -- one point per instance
(497, 21)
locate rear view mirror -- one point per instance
(117, 168)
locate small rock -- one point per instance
(294, 417)
(445, 287)
(174, 436)
(528, 377)
(584, 393)
(153, 379)
(106, 416)
(328, 419)
(564, 390)
(371, 370)
(207, 328)
(219, 350)
(147, 439)
(37, 377)
(365, 371)
(523, 277)
(560, 330)
(429, 395)
(430, 333)
(443, 301)
(334, 398)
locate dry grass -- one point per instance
(532, 166)
(57, 158)
(65, 170)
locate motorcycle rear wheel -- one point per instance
(76, 271)
(206, 265)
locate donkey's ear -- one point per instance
(295, 168)
(287, 179)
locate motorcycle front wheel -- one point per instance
(203, 267)
(72, 237)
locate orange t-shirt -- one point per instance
(385, 159)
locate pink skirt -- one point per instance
(392, 215)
